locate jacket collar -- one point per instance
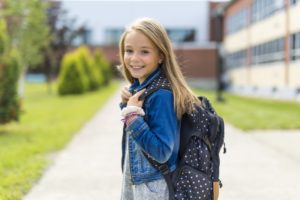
(136, 86)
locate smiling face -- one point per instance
(141, 56)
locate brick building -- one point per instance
(192, 33)
(199, 64)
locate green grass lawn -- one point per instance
(47, 123)
(252, 113)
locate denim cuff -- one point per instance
(136, 127)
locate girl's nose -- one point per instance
(135, 56)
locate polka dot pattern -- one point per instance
(200, 122)
(198, 156)
(193, 184)
(194, 180)
(161, 82)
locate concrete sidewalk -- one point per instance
(257, 166)
(89, 168)
(261, 165)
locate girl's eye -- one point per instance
(128, 51)
(145, 52)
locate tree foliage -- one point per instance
(91, 71)
(104, 67)
(28, 30)
(72, 78)
(23, 35)
(9, 73)
(80, 66)
(63, 32)
(3, 36)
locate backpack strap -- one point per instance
(216, 138)
(161, 82)
(206, 104)
(165, 171)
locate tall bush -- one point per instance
(9, 74)
(104, 67)
(92, 73)
(3, 36)
(72, 78)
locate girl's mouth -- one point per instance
(137, 67)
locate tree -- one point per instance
(63, 32)
(29, 33)
(9, 74)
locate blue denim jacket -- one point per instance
(157, 134)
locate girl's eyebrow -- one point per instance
(143, 47)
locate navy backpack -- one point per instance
(201, 139)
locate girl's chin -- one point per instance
(136, 75)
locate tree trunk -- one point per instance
(21, 88)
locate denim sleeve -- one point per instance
(157, 136)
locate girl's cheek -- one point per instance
(126, 59)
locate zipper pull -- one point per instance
(220, 184)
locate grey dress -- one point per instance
(153, 190)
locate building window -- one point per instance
(295, 46)
(84, 37)
(236, 59)
(262, 9)
(237, 21)
(112, 36)
(178, 35)
(293, 2)
(268, 52)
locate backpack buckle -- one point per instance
(164, 169)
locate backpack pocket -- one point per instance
(193, 184)
(197, 155)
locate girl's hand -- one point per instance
(125, 94)
(134, 100)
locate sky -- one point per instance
(99, 14)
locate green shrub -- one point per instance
(72, 79)
(104, 67)
(92, 73)
(3, 36)
(97, 64)
(9, 75)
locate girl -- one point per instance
(152, 126)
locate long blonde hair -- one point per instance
(184, 98)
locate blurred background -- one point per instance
(58, 68)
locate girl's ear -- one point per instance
(161, 59)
